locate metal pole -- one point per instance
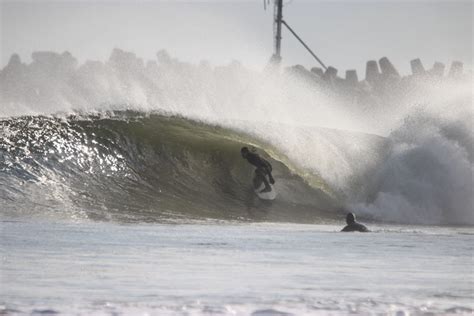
(278, 21)
(306, 46)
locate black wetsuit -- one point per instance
(259, 162)
(264, 169)
(355, 227)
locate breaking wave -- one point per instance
(129, 167)
(135, 141)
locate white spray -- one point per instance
(421, 173)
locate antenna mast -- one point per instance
(278, 21)
(277, 28)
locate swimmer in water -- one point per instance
(352, 225)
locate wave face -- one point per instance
(128, 167)
(403, 156)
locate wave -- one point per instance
(130, 167)
(159, 139)
(427, 176)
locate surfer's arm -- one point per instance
(267, 165)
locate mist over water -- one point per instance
(404, 157)
(428, 174)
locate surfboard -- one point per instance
(266, 195)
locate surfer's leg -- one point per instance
(270, 177)
(257, 180)
(262, 175)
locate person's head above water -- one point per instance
(244, 151)
(350, 218)
(352, 225)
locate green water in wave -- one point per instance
(131, 167)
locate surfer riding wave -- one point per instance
(134, 167)
(264, 170)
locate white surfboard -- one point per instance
(266, 195)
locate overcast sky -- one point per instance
(344, 34)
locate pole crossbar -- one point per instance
(303, 43)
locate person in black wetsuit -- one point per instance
(264, 169)
(352, 225)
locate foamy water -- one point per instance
(233, 269)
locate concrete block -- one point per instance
(318, 71)
(351, 77)
(417, 67)
(438, 69)
(456, 69)
(388, 70)
(372, 72)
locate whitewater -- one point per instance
(122, 190)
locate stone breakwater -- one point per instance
(382, 80)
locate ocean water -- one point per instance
(228, 268)
(123, 192)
